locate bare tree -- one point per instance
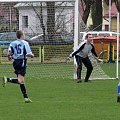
(50, 19)
(40, 16)
(8, 20)
(56, 23)
(117, 3)
(97, 15)
(86, 6)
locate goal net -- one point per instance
(107, 49)
(52, 30)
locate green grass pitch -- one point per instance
(61, 99)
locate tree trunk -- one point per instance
(88, 4)
(117, 3)
(51, 20)
(97, 15)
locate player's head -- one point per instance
(89, 37)
(20, 34)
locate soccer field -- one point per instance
(60, 99)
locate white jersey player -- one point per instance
(19, 50)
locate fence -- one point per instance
(43, 54)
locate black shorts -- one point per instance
(20, 66)
(86, 61)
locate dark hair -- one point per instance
(19, 33)
(88, 35)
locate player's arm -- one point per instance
(77, 51)
(28, 51)
(95, 54)
(10, 52)
(93, 51)
(30, 55)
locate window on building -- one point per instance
(106, 27)
(25, 21)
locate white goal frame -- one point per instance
(117, 61)
(38, 0)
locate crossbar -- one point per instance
(37, 0)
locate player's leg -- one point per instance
(79, 68)
(4, 81)
(23, 88)
(88, 65)
(12, 80)
(21, 71)
(21, 74)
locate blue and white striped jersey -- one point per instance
(19, 49)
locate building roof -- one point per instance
(37, 4)
(114, 11)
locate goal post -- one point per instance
(76, 33)
(118, 42)
(38, 0)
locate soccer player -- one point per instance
(81, 55)
(19, 50)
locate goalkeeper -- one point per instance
(81, 55)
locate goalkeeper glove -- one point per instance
(70, 56)
(9, 56)
(99, 60)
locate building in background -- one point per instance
(105, 25)
(30, 14)
(23, 16)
